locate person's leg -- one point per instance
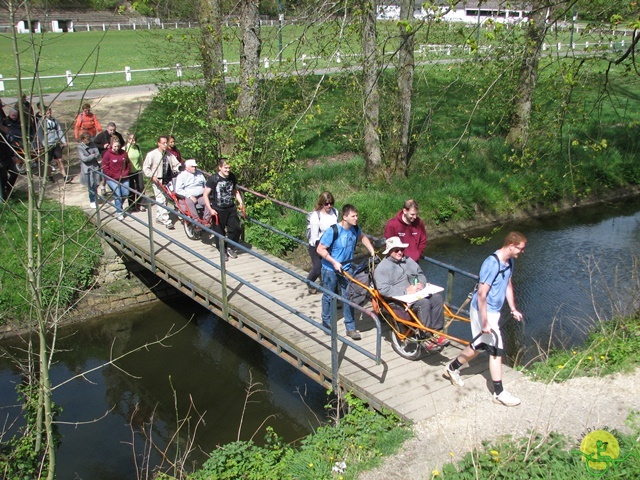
(206, 214)
(162, 216)
(191, 206)
(133, 197)
(117, 199)
(218, 227)
(349, 322)
(234, 230)
(124, 191)
(330, 279)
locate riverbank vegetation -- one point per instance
(71, 252)
(461, 171)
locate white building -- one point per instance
(467, 12)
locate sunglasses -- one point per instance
(328, 203)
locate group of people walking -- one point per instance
(332, 239)
(38, 136)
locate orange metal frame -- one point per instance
(382, 308)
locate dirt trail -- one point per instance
(569, 408)
(123, 109)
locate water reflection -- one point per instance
(577, 267)
(207, 363)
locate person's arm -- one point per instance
(126, 167)
(422, 238)
(106, 165)
(314, 228)
(512, 303)
(61, 137)
(175, 163)
(385, 284)
(367, 244)
(86, 155)
(390, 230)
(180, 186)
(207, 200)
(76, 127)
(483, 291)
(239, 198)
(96, 123)
(323, 249)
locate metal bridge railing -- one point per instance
(225, 273)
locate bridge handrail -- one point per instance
(224, 273)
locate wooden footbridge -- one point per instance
(267, 299)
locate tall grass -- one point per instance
(71, 252)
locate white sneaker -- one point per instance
(92, 204)
(453, 376)
(120, 217)
(506, 398)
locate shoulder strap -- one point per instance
(509, 262)
(334, 228)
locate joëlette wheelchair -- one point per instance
(408, 335)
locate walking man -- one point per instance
(494, 286)
(410, 228)
(161, 166)
(220, 195)
(336, 248)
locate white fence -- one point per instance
(423, 50)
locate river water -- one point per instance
(576, 266)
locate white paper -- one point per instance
(429, 289)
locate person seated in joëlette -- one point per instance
(398, 275)
(190, 184)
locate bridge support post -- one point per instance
(334, 344)
(152, 251)
(222, 250)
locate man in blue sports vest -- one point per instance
(336, 248)
(494, 287)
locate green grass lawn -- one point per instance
(108, 53)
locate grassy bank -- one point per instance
(461, 172)
(70, 254)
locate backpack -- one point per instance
(317, 212)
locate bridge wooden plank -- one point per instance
(414, 390)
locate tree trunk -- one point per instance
(406, 67)
(249, 60)
(210, 18)
(371, 102)
(248, 100)
(523, 100)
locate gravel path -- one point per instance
(569, 408)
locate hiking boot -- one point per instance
(354, 335)
(506, 398)
(441, 340)
(453, 376)
(231, 252)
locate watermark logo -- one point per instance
(600, 451)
